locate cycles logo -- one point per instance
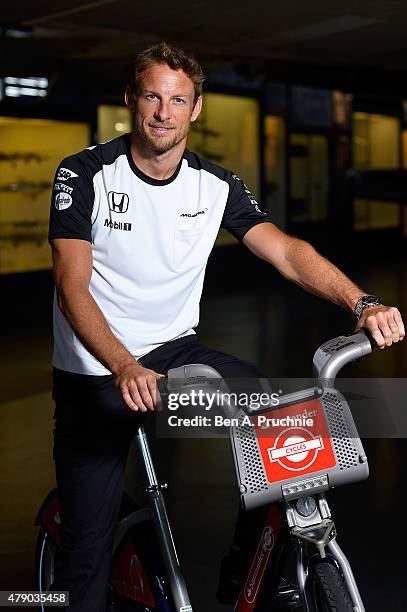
(118, 202)
(295, 449)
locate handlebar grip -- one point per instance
(369, 336)
(336, 353)
(162, 383)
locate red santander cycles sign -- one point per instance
(289, 449)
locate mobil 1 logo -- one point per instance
(117, 225)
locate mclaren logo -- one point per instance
(200, 212)
(118, 202)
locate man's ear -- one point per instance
(129, 99)
(197, 109)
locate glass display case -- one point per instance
(30, 152)
(227, 133)
(376, 146)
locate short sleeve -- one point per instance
(72, 201)
(242, 212)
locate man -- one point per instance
(132, 224)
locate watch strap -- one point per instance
(365, 301)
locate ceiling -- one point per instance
(85, 45)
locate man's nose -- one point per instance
(162, 112)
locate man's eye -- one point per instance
(179, 100)
(151, 96)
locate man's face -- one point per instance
(165, 108)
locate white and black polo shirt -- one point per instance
(151, 240)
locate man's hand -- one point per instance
(384, 323)
(138, 387)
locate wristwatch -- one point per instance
(364, 302)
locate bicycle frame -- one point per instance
(312, 531)
(265, 569)
(272, 551)
(128, 574)
(159, 515)
(344, 462)
(310, 534)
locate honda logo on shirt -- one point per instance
(118, 202)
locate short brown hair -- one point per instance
(174, 57)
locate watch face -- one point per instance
(370, 300)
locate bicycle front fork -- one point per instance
(311, 527)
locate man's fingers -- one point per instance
(138, 387)
(373, 327)
(395, 332)
(152, 387)
(136, 396)
(127, 398)
(399, 322)
(145, 393)
(384, 328)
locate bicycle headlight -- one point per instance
(306, 505)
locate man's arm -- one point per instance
(299, 262)
(72, 267)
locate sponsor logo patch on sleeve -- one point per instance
(250, 196)
(64, 174)
(63, 187)
(62, 201)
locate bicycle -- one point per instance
(146, 577)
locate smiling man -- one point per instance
(132, 224)
(162, 119)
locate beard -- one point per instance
(159, 144)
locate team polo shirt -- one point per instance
(150, 238)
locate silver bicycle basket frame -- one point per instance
(254, 482)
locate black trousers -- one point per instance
(93, 431)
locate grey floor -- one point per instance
(272, 324)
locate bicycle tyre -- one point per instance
(44, 562)
(327, 589)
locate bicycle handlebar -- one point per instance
(328, 360)
(335, 354)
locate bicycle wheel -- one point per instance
(45, 562)
(327, 589)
